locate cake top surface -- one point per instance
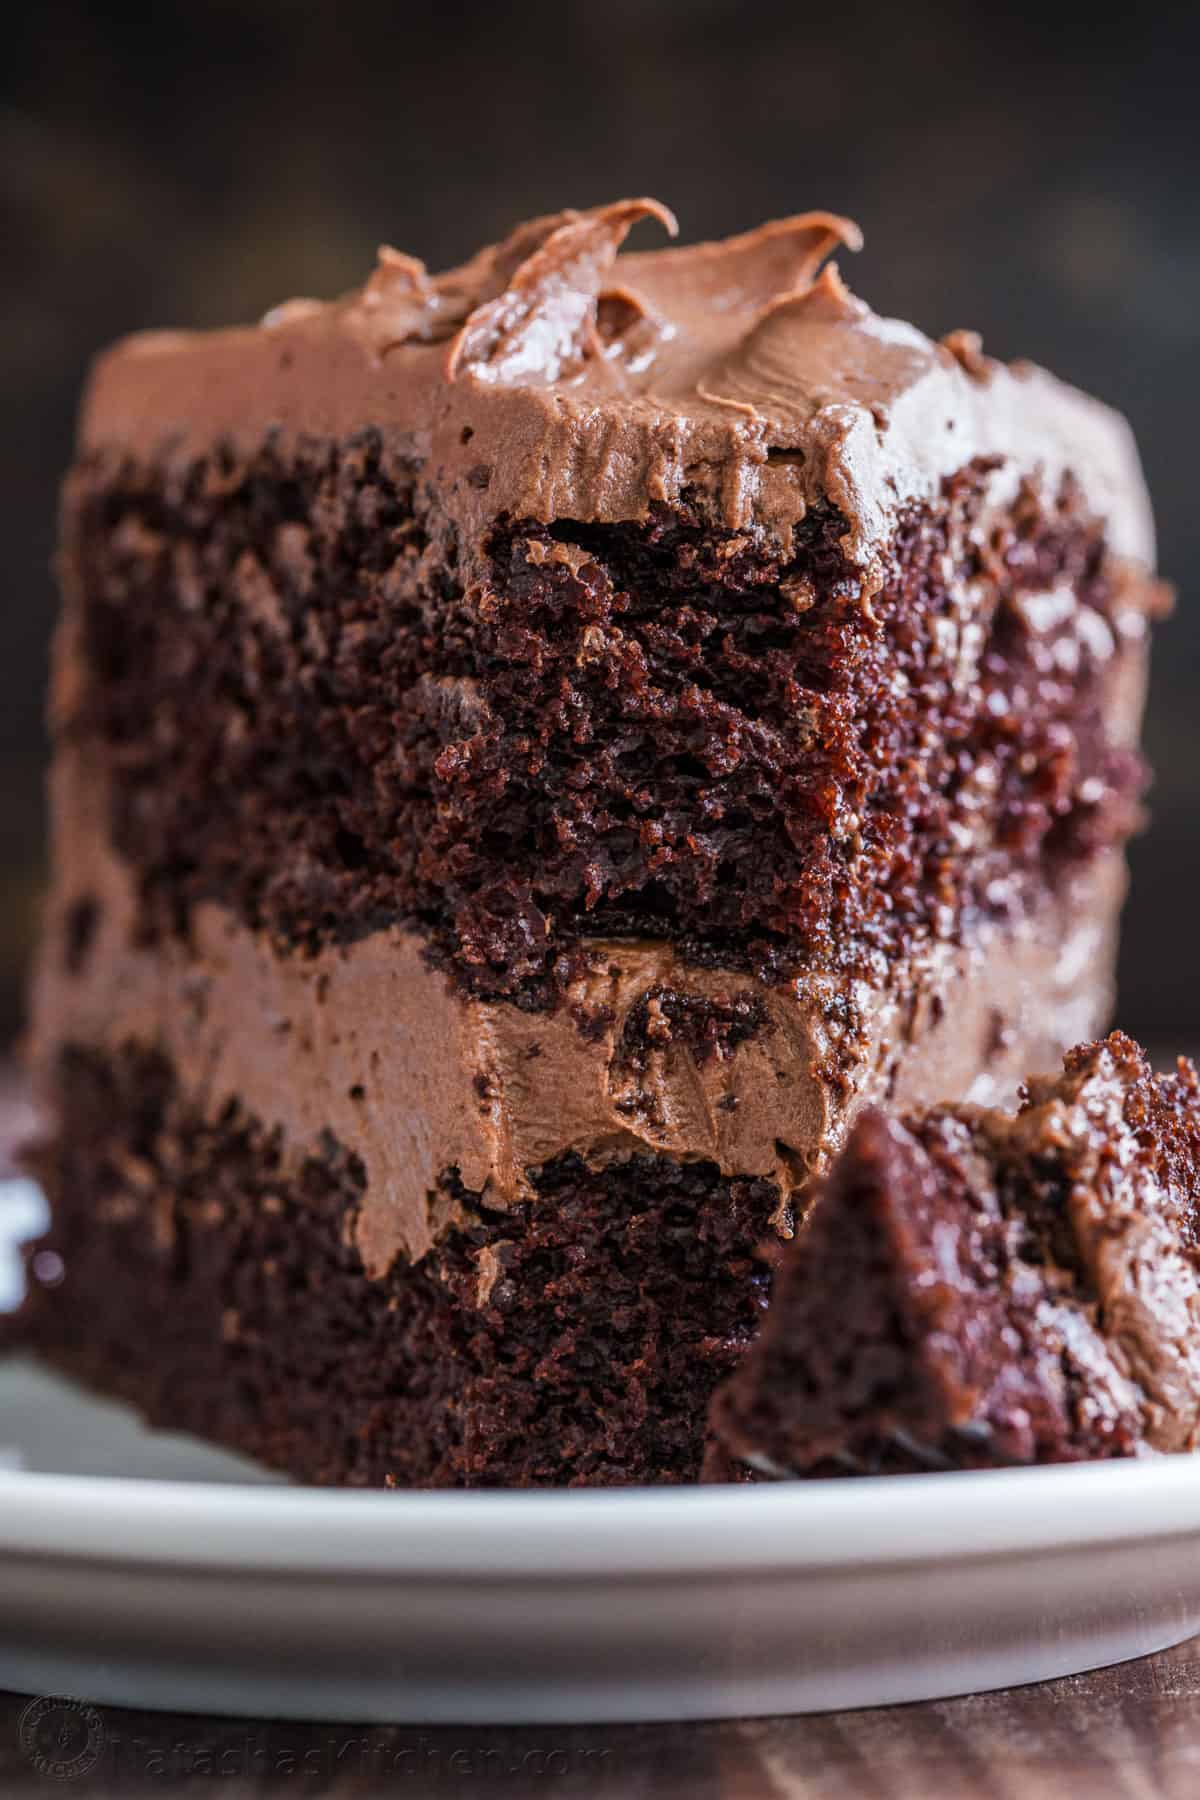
(556, 375)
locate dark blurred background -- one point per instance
(1029, 173)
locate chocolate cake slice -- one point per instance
(536, 748)
(979, 1288)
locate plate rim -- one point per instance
(739, 1530)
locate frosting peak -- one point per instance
(547, 302)
(545, 320)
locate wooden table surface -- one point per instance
(1131, 1731)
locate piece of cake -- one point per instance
(978, 1288)
(536, 747)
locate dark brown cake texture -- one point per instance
(575, 1337)
(656, 729)
(536, 748)
(978, 1288)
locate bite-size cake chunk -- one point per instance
(979, 1288)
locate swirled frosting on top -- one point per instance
(557, 376)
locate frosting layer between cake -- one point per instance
(647, 1054)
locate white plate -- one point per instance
(191, 1582)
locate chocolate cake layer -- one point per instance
(655, 730)
(976, 1288)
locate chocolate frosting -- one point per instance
(556, 376)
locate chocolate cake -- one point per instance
(536, 748)
(978, 1288)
